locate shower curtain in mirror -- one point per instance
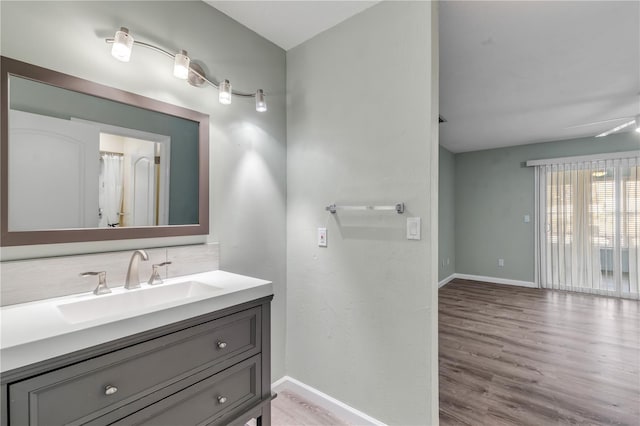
(588, 226)
(110, 194)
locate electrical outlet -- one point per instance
(501, 263)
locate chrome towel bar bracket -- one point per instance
(399, 208)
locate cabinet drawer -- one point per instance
(206, 402)
(78, 393)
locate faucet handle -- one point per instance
(155, 275)
(102, 281)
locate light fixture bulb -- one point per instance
(225, 92)
(638, 123)
(181, 65)
(261, 103)
(122, 45)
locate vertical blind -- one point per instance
(589, 226)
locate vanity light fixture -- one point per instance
(261, 104)
(122, 45)
(224, 90)
(181, 65)
(183, 68)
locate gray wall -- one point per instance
(494, 190)
(248, 149)
(446, 214)
(362, 312)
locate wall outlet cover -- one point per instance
(413, 228)
(322, 237)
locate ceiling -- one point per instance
(511, 72)
(289, 23)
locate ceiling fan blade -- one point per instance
(615, 129)
(598, 122)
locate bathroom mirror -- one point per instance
(85, 162)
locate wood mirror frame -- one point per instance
(11, 67)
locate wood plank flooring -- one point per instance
(290, 409)
(520, 356)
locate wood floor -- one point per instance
(290, 409)
(519, 356)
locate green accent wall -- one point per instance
(446, 214)
(494, 190)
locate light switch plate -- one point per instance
(527, 218)
(322, 237)
(413, 228)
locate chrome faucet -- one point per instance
(133, 278)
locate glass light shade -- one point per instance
(181, 65)
(225, 92)
(261, 103)
(122, 45)
(638, 123)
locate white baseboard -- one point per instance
(496, 280)
(446, 280)
(321, 399)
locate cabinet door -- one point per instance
(207, 402)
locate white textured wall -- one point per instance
(362, 128)
(248, 150)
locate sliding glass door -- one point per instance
(630, 228)
(589, 226)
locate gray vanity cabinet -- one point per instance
(210, 370)
(223, 392)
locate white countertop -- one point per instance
(36, 331)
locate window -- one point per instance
(589, 227)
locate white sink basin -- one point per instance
(131, 301)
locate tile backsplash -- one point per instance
(35, 279)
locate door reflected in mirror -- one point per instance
(132, 182)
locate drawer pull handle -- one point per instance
(222, 345)
(222, 399)
(110, 390)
